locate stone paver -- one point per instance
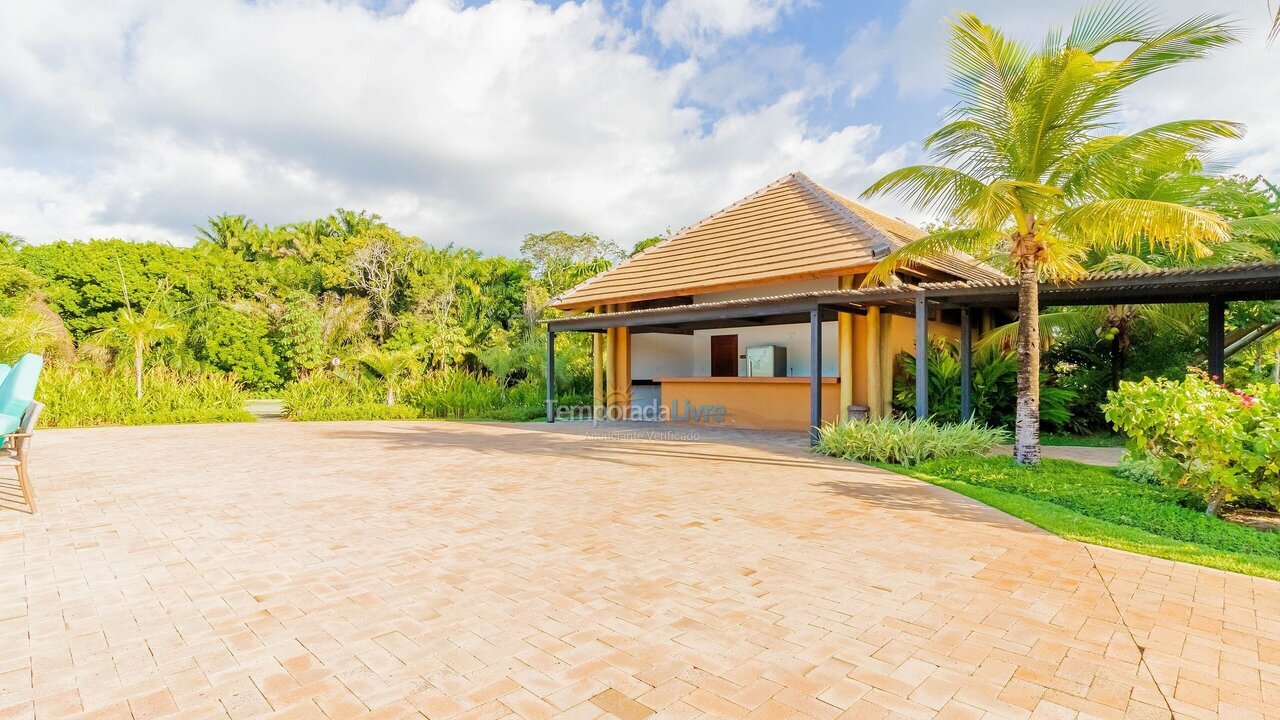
(443, 570)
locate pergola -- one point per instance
(1213, 286)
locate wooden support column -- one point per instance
(1217, 339)
(966, 365)
(815, 374)
(610, 368)
(597, 375)
(844, 324)
(875, 395)
(624, 371)
(886, 364)
(922, 358)
(551, 376)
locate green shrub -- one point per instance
(324, 391)
(86, 395)
(455, 393)
(449, 393)
(360, 411)
(901, 441)
(995, 387)
(517, 413)
(235, 341)
(1201, 436)
(1138, 469)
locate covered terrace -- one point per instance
(1215, 287)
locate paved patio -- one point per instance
(484, 571)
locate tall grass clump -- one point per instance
(87, 395)
(902, 441)
(455, 393)
(326, 392)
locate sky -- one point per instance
(474, 123)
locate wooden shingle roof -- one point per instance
(792, 229)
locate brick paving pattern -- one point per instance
(442, 570)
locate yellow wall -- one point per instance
(755, 404)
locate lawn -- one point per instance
(1094, 505)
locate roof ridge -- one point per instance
(859, 223)
(674, 236)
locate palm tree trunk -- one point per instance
(391, 395)
(137, 367)
(1119, 346)
(1027, 423)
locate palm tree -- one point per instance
(391, 366)
(141, 330)
(236, 233)
(351, 223)
(1029, 165)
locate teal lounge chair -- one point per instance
(13, 453)
(18, 390)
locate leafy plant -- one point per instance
(84, 395)
(1201, 436)
(234, 341)
(455, 393)
(995, 387)
(902, 441)
(323, 391)
(299, 335)
(391, 367)
(139, 330)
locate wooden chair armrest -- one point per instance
(18, 435)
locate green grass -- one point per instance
(1094, 505)
(357, 411)
(87, 396)
(1094, 440)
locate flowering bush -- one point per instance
(1217, 442)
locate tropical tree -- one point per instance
(140, 331)
(378, 269)
(1029, 165)
(236, 233)
(391, 367)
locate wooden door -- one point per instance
(724, 356)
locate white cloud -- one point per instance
(699, 25)
(1239, 83)
(467, 125)
(475, 125)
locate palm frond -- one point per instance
(1123, 263)
(972, 241)
(1190, 40)
(987, 70)
(1178, 319)
(1239, 250)
(1186, 232)
(1260, 227)
(1097, 28)
(1105, 162)
(1075, 320)
(929, 187)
